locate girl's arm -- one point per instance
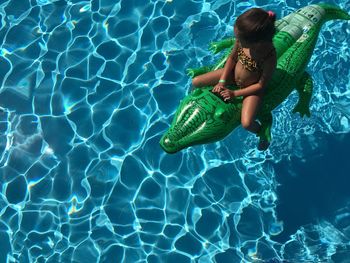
(250, 90)
(229, 66)
(230, 62)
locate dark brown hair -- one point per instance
(256, 25)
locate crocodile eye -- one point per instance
(219, 113)
(197, 92)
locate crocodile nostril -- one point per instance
(168, 146)
(168, 142)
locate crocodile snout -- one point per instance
(168, 145)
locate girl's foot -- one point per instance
(263, 145)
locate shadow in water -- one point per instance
(314, 188)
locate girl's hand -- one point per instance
(218, 88)
(227, 94)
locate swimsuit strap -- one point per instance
(249, 63)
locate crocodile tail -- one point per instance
(334, 12)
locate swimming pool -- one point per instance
(89, 87)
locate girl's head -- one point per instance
(255, 25)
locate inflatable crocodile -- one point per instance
(203, 117)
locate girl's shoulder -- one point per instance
(234, 50)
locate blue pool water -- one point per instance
(87, 90)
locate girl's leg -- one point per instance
(250, 107)
(210, 79)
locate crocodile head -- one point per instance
(202, 117)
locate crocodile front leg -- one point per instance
(216, 47)
(194, 72)
(304, 88)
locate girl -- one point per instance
(256, 57)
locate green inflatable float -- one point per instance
(202, 117)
